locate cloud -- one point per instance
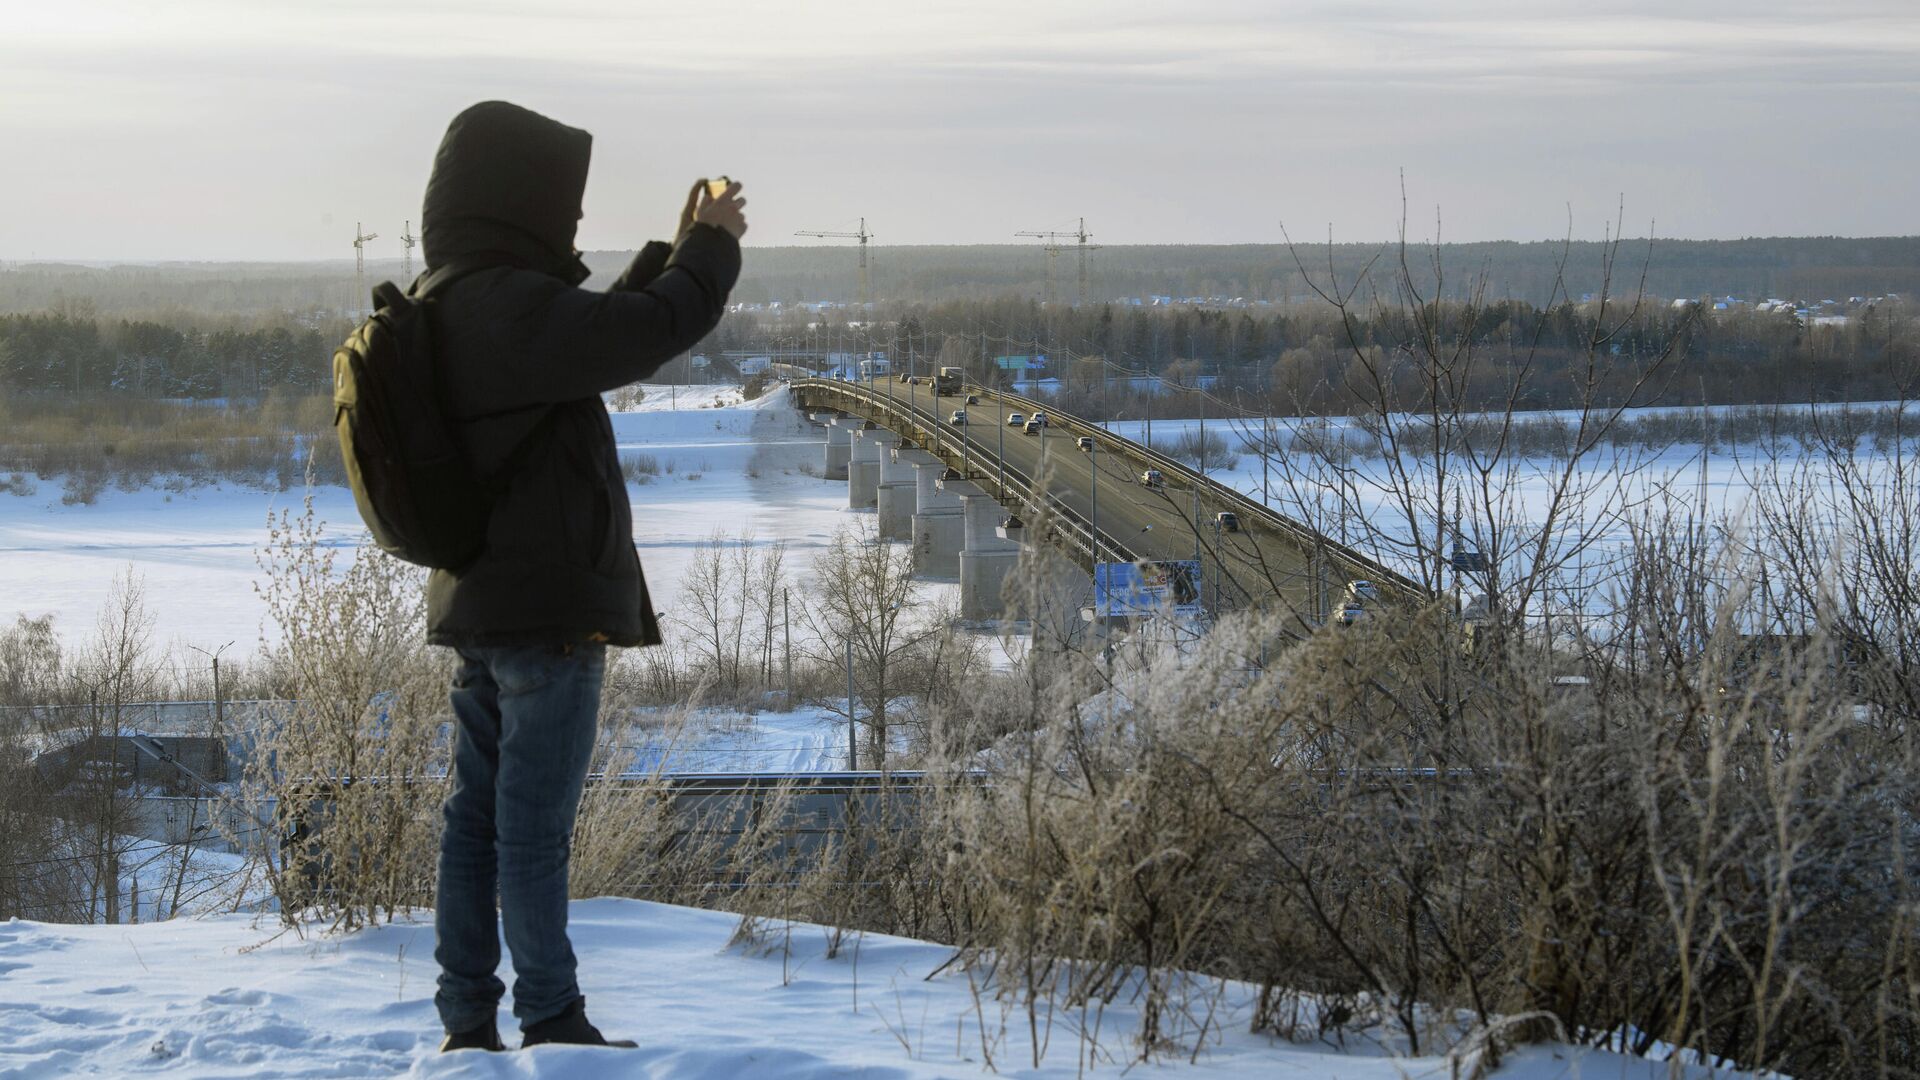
(219, 128)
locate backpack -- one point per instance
(413, 484)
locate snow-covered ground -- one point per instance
(232, 996)
(728, 740)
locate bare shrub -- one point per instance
(353, 768)
(1208, 450)
(626, 398)
(640, 468)
(30, 663)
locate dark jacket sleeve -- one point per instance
(647, 264)
(579, 343)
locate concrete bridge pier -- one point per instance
(896, 494)
(839, 446)
(863, 467)
(985, 558)
(939, 525)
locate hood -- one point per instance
(507, 185)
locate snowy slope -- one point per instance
(226, 997)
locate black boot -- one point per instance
(569, 1028)
(484, 1037)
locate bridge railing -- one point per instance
(957, 448)
(1352, 562)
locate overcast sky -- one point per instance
(264, 129)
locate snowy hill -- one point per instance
(229, 997)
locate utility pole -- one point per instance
(407, 241)
(360, 265)
(1266, 457)
(866, 283)
(219, 702)
(853, 745)
(786, 618)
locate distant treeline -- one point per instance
(1121, 361)
(78, 356)
(1810, 268)
(1806, 268)
(1281, 360)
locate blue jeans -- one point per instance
(527, 718)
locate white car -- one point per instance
(959, 417)
(1040, 418)
(1015, 419)
(1350, 613)
(1152, 478)
(1362, 592)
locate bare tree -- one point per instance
(863, 605)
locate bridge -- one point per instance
(950, 489)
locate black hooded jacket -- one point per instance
(526, 354)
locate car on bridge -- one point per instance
(1015, 419)
(1227, 521)
(1085, 443)
(1351, 612)
(1362, 592)
(1033, 426)
(1152, 478)
(973, 399)
(1040, 418)
(958, 418)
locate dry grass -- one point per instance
(130, 443)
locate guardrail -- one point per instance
(958, 449)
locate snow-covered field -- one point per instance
(231, 996)
(735, 469)
(724, 465)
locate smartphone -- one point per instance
(717, 186)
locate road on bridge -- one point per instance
(1174, 521)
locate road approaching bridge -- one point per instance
(1089, 498)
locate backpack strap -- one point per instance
(437, 279)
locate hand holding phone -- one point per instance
(722, 206)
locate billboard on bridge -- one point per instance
(1147, 588)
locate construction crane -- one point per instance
(866, 283)
(360, 264)
(1080, 237)
(407, 240)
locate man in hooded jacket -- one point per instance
(526, 354)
